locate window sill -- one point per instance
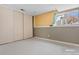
(68, 25)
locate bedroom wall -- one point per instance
(14, 25)
(66, 34)
(42, 24)
(6, 25)
(28, 27)
(45, 19)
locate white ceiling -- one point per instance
(36, 9)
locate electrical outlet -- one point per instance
(48, 35)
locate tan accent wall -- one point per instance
(44, 19)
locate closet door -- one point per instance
(6, 25)
(27, 26)
(18, 25)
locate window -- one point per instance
(69, 17)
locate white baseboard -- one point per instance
(61, 42)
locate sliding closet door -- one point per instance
(6, 25)
(18, 25)
(27, 26)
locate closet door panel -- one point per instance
(6, 25)
(18, 25)
(27, 26)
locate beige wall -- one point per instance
(12, 25)
(27, 26)
(6, 25)
(18, 25)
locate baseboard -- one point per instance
(61, 42)
(14, 41)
